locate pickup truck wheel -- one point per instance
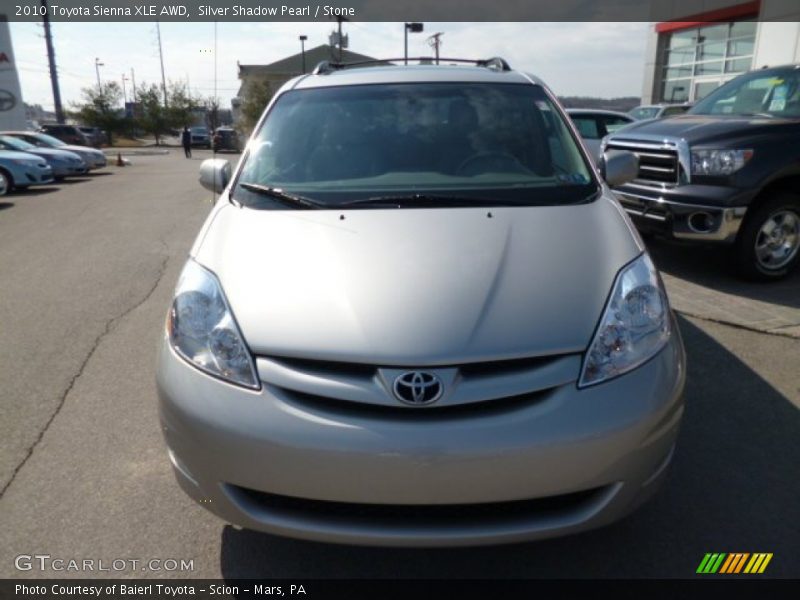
(768, 245)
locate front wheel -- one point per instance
(5, 183)
(768, 245)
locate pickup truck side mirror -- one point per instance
(619, 166)
(215, 173)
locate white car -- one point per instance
(594, 124)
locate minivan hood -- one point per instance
(416, 287)
(703, 128)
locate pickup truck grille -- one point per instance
(657, 164)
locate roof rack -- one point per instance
(326, 66)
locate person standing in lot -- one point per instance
(186, 139)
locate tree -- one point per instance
(100, 108)
(212, 112)
(152, 117)
(156, 119)
(259, 93)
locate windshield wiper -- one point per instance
(424, 200)
(300, 202)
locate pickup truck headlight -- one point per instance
(203, 331)
(719, 162)
(634, 327)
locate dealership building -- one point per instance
(701, 45)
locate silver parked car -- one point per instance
(94, 159)
(416, 316)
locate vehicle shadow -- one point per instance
(733, 487)
(711, 267)
(93, 174)
(5, 205)
(38, 191)
(74, 180)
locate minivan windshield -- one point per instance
(471, 141)
(773, 93)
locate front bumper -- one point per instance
(690, 212)
(69, 170)
(575, 460)
(98, 162)
(36, 176)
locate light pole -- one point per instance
(413, 28)
(97, 65)
(124, 91)
(303, 39)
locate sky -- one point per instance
(575, 59)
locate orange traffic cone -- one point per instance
(120, 162)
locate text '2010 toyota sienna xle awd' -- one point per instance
(417, 316)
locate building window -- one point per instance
(699, 59)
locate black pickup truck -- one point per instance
(728, 171)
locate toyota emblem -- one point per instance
(418, 388)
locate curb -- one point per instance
(111, 152)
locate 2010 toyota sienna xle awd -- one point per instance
(417, 316)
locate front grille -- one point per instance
(404, 413)
(398, 515)
(363, 389)
(657, 163)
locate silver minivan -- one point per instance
(417, 316)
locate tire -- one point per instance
(6, 182)
(768, 245)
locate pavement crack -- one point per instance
(107, 329)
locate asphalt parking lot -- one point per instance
(86, 272)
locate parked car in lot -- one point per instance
(200, 137)
(94, 159)
(63, 163)
(658, 111)
(19, 170)
(69, 134)
(417, 316)
(95, 136)
(593, 125)
(226, 139)
(726, 172)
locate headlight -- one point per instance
(24, 162)
(719, 162)
(634, 327)
(202, 329)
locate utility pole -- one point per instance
(97, 65)
(339, 20)
(413, 28)
(161, 57)
(434, 42)
(303, 39)
(133, 83)
(51, 57)
(124, 91)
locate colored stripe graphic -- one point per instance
(734, 563)
(711, 563)
(727, 564)
(765, 563)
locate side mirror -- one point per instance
(215, 173)
(619, 166)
